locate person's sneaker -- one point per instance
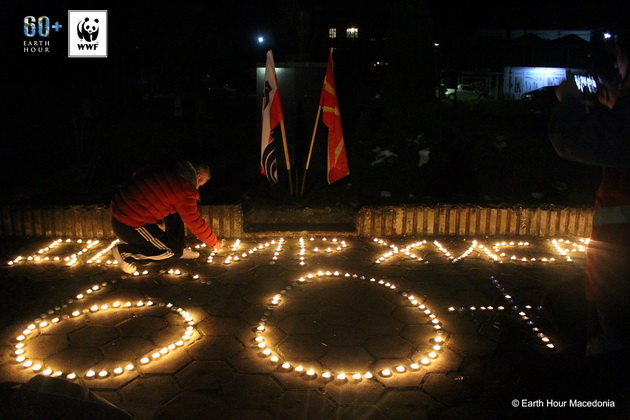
(189, 254)
(124, 265)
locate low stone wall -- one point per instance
(228, 221)
(95, 221)
(473, 221)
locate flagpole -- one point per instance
(286, 156)
(310, 151)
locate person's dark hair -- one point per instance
(606, 42)
(618, 27)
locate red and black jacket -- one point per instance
(156, 192)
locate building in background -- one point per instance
(508, 63)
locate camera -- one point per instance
(585, 83)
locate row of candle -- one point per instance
(42, 323)
(482, 249)
(234, 256)
(41, 254)
(436, 342)
(563, 247)
(516, 309)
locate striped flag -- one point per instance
(271, 117)
(337, 159)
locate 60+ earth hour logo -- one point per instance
(86, 30)
(37, 33)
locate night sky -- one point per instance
(44, 96)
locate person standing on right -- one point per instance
(600, 135)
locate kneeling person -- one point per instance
(155, 194)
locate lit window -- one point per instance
(332, 32)
(352, 33)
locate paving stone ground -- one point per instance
(446, 328)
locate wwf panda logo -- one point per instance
(88, 31)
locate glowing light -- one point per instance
(39, 323)
(76, 252)
(259, 339)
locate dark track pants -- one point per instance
(149, 243)
(608, 281)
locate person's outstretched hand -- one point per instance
(218, 245)
(567, 89)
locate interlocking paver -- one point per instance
(447, 389)
(306, 404)
(251, 391)
(250, 360)
(194, 405)
(378, 324)
(291, 379)
(360, 393)
(150, 391)
(49, 344)
(472, 344)
(358, 412)
(344, 336)
(127, 348)
(215, 348)
(142, 326)
(302, 324)
(338, 315)
(406, 404)
(388, 346)
(222, 325)
(303, 347)
(168, 365)
(93, 336)
(202, 375)
(225, 306)
(349, 359)
(226, 368)
(75, 359)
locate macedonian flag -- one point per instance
(337, 159)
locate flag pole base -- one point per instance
(290, 181)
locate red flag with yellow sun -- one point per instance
(337, 159)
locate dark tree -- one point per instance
(297, 23)
(411, 74)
